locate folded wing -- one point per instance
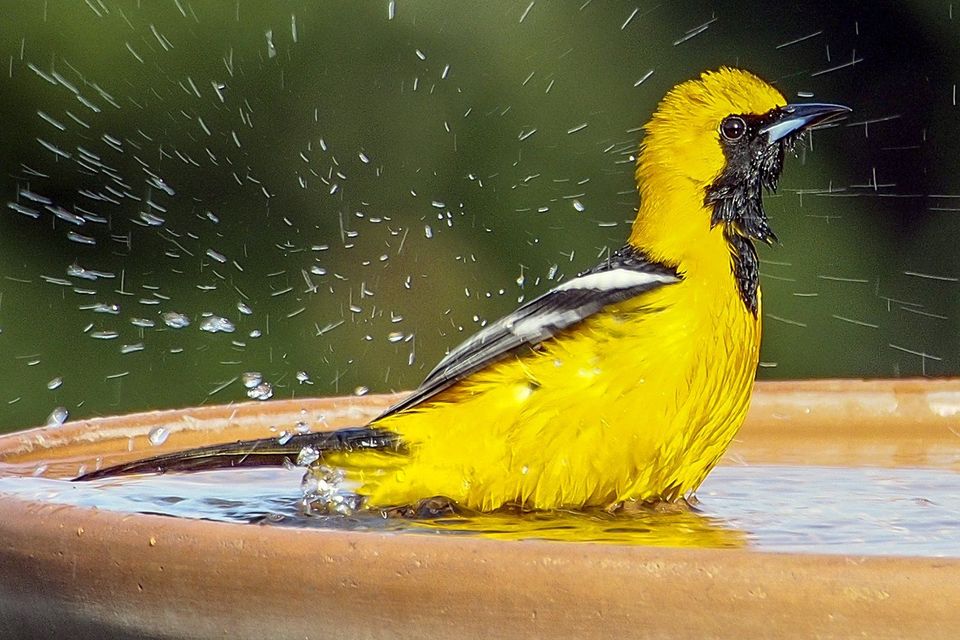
(625, 274)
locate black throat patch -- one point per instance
(736, 197)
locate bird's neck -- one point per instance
(675, 226)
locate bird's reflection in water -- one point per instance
(669, 526)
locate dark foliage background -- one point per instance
(356, 186)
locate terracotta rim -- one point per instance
(892, 423)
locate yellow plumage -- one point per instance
(637, 402)
(627, 383)
(631, 405)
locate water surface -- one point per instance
(862, 511)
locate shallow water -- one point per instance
(863, 511)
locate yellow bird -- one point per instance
(625, 383)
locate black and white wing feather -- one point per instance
(625, 274)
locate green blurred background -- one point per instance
(357, 186)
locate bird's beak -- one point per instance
(796, 118)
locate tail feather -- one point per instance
(254, 453)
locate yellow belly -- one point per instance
(638, 403)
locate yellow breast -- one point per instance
(637, 402)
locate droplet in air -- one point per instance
(216, 324)
(361, 391)
(307, 456)
(57, 417)
(303, 377)
(55, 383)
(271, 49)
(100, 307)
(158, 435)
(251, 379)
(263, 391)
(216, 255)
(302, 427)
(175, 320)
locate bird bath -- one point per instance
(836, 512)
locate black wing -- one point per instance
(625, 274)
(264, 452)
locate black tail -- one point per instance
(265, 452)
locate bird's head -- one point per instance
(726, 132)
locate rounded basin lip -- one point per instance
(915, 422)
(84, 572)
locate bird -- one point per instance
(624, 384)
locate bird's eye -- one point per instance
(732, 128)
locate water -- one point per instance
(859, 511)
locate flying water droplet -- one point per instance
(158, 435)
(57, 417)
(307, 456)
(80, 238)
(271, 48)
(175, 320)
(263, 391)
(302, 427)
(216, 324)
(100, 307)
